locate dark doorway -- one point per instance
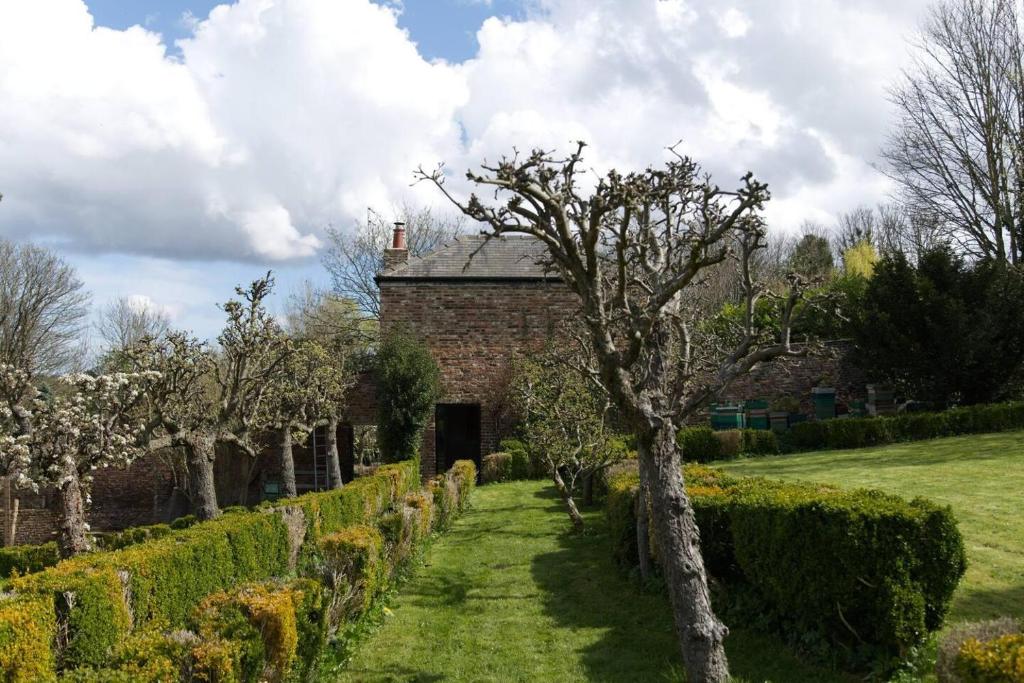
(457, 434)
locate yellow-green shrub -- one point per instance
(27, 625)
(214, 661)
(145, 657)
(356, 556)
(1000, 660)
(423, 504)
(169, 577)
(259, 620)
(90, 602)
(359, 501)
(100, 597)
(496, 467)
(464, 474)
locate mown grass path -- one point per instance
(980, 476)
(509, 595)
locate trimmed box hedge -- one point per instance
(92, 607)
(859, 575)
(878, 431)
(703, 444)
(26, 559)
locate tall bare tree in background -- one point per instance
(633, 249)
(43, 309)
(956, 151)
(126, 321)
(355, 257)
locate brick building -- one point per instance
(474, 302)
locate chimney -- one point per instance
(398, 253)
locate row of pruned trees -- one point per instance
(261, 383)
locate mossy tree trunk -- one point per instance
(71, 536)
(333, 459)
(200, 456)
(287, 463)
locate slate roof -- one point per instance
(476, 257)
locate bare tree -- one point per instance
(632, 250)
(43, 309)
(565, 414)
(956, 150)
(125, 321)
(204, 399)
(852, 228)
(356, 257)
(343, 335)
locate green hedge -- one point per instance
(26, 559)
(877, 431)
(98, 609)
(524, 465)
(496, 468)
(703, 444)
(858, 575)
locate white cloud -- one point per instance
(277, 117)
(733, 23)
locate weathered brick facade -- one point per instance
(472, 328)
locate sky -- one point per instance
(171, 149)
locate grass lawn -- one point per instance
(980, 476)
(508, 595)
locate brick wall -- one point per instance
(121, 498)
(472, 328)
(795, 377)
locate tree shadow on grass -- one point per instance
(981, 604)
(583, 589)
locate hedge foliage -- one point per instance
(1000, 660)
(495, 468)
(27, 624)
(878, 431)
(96, 616)
(703, 444)
(26, 559)
(858, 575)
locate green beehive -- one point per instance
(724, 416)
(824, 399)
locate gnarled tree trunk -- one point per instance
(333, 459)
(71, 538)
(570, 504)
(287, 464)
(643, 537)
(701, 634)
(200, 456)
